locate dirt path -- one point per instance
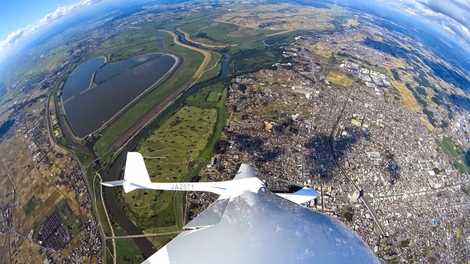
(278, 33)
(207, 55)
(145, 235)
(205, 45)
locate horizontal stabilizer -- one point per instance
(113, 183)
(245, 171)
(302, 196)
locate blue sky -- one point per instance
(22, 18)
(15, 14)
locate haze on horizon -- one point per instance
(452, 17)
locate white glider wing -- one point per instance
(263, 228)
(209, 217)
(250, 224)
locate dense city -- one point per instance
(379, 166)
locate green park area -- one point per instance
(32, 204)
(459, 159)
(176, 151)
(128, 252)
(172, 151)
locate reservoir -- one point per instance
(96, 91)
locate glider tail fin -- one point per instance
(135, 174)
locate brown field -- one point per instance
(321, 49)
(407, 98)
(282, 17)
(339, 79)
(38, 191)
(26, 252)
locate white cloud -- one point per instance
(57, 14)
(13, 36)
(452, 16)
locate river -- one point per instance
(115, 170)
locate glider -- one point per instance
(250, 224)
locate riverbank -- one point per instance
(143, 112)
(194, 96)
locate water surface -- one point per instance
(80, 78)
(114, 86)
